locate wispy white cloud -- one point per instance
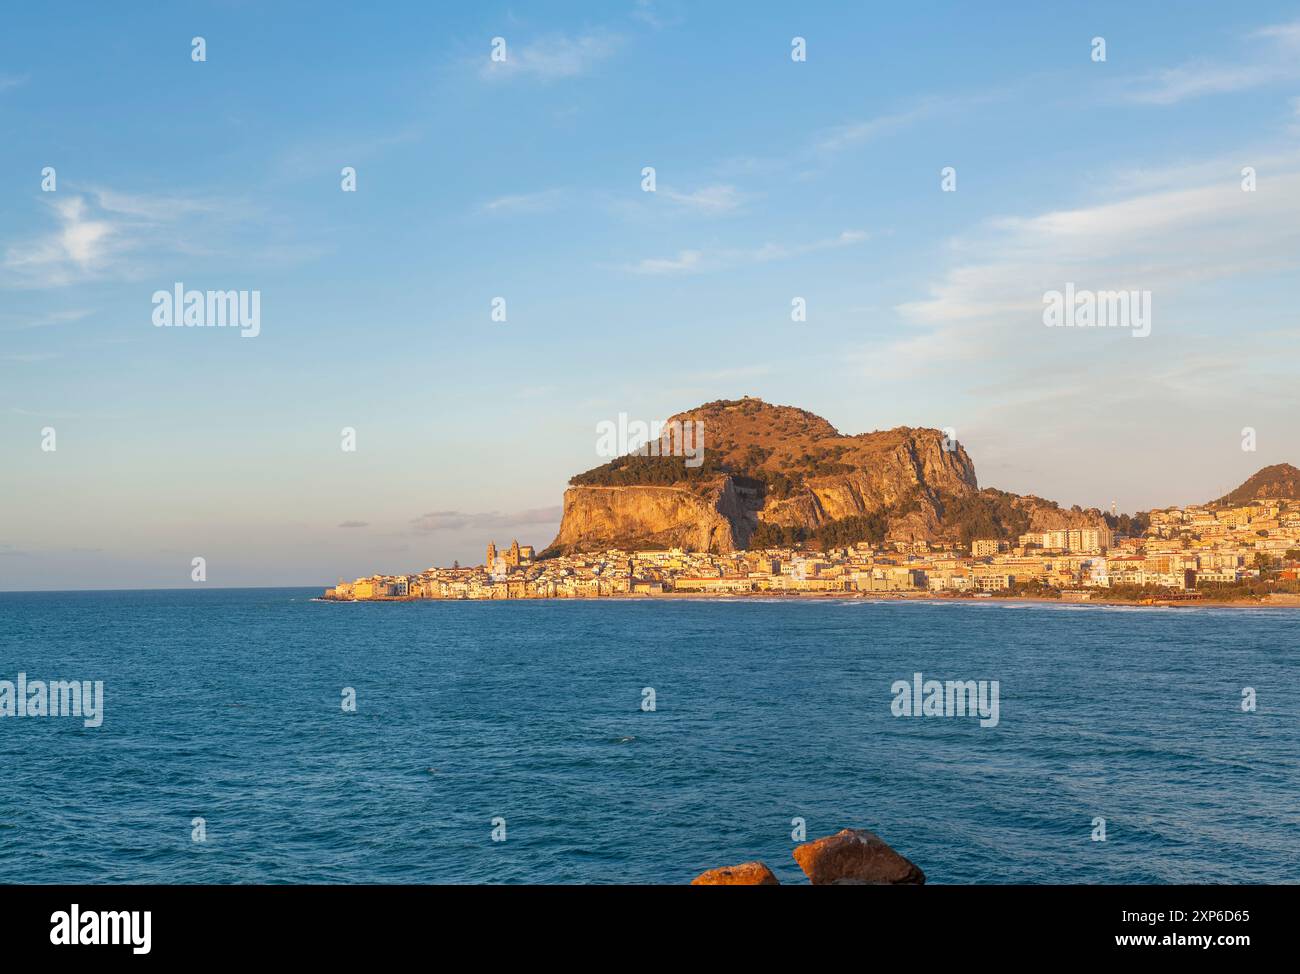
(1134, 181)
(685, 261)
(553, 56)
(1216, 261)
(23, 322)
(304, 160)
(28, 358)
(1274, 57)
(99, 231)
(539, 202)
(79, 247)
(10, 81)
(850, 134)
(709, 200)
(649, 13)
(1193, 234)
(692, 261)
(1174, 242)
(156, 209)
(841, 138)
(458, 520)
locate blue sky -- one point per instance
(775, 179)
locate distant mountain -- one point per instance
(778, 475)
(1279, 480)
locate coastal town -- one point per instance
(1182, 554)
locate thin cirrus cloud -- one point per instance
(23, 322)
(831, 142)
(695, 261)
(539, 202)
(841, 138)
(649, 13)
(355, 524)
(458, 520)
(1215, 260)
(1169, 241)
(846, 136)
(1274, 58)
(29, 358)
(1165, 237)
(95, 233)
(81, 246)
(708, 200)
(552, 57)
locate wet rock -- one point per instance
(855, 857)
(746, 874)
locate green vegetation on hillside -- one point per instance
(637, 470)
(988, 514)
(1129, 527)
(846, 531)
(870, 528)
(633, 470)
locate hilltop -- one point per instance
(1281, 480)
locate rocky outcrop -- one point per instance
(851, 857)
(765, 464)
(904, 471)
(792, 474)
(746, 874)
(855, 857)
(1281, 480)
(1046, 516)
(719, 518)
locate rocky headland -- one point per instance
(780, 475)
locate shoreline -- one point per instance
(1284, 602)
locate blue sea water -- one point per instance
(225, 705)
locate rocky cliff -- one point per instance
(643, 516)
(777, 474)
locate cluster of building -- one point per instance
(1183, 550)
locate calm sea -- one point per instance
(225, 705)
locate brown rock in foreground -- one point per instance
(853, 857)
(746, 874)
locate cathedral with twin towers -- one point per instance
(514, 557)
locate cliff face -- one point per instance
(635, 516)
(906, 472)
